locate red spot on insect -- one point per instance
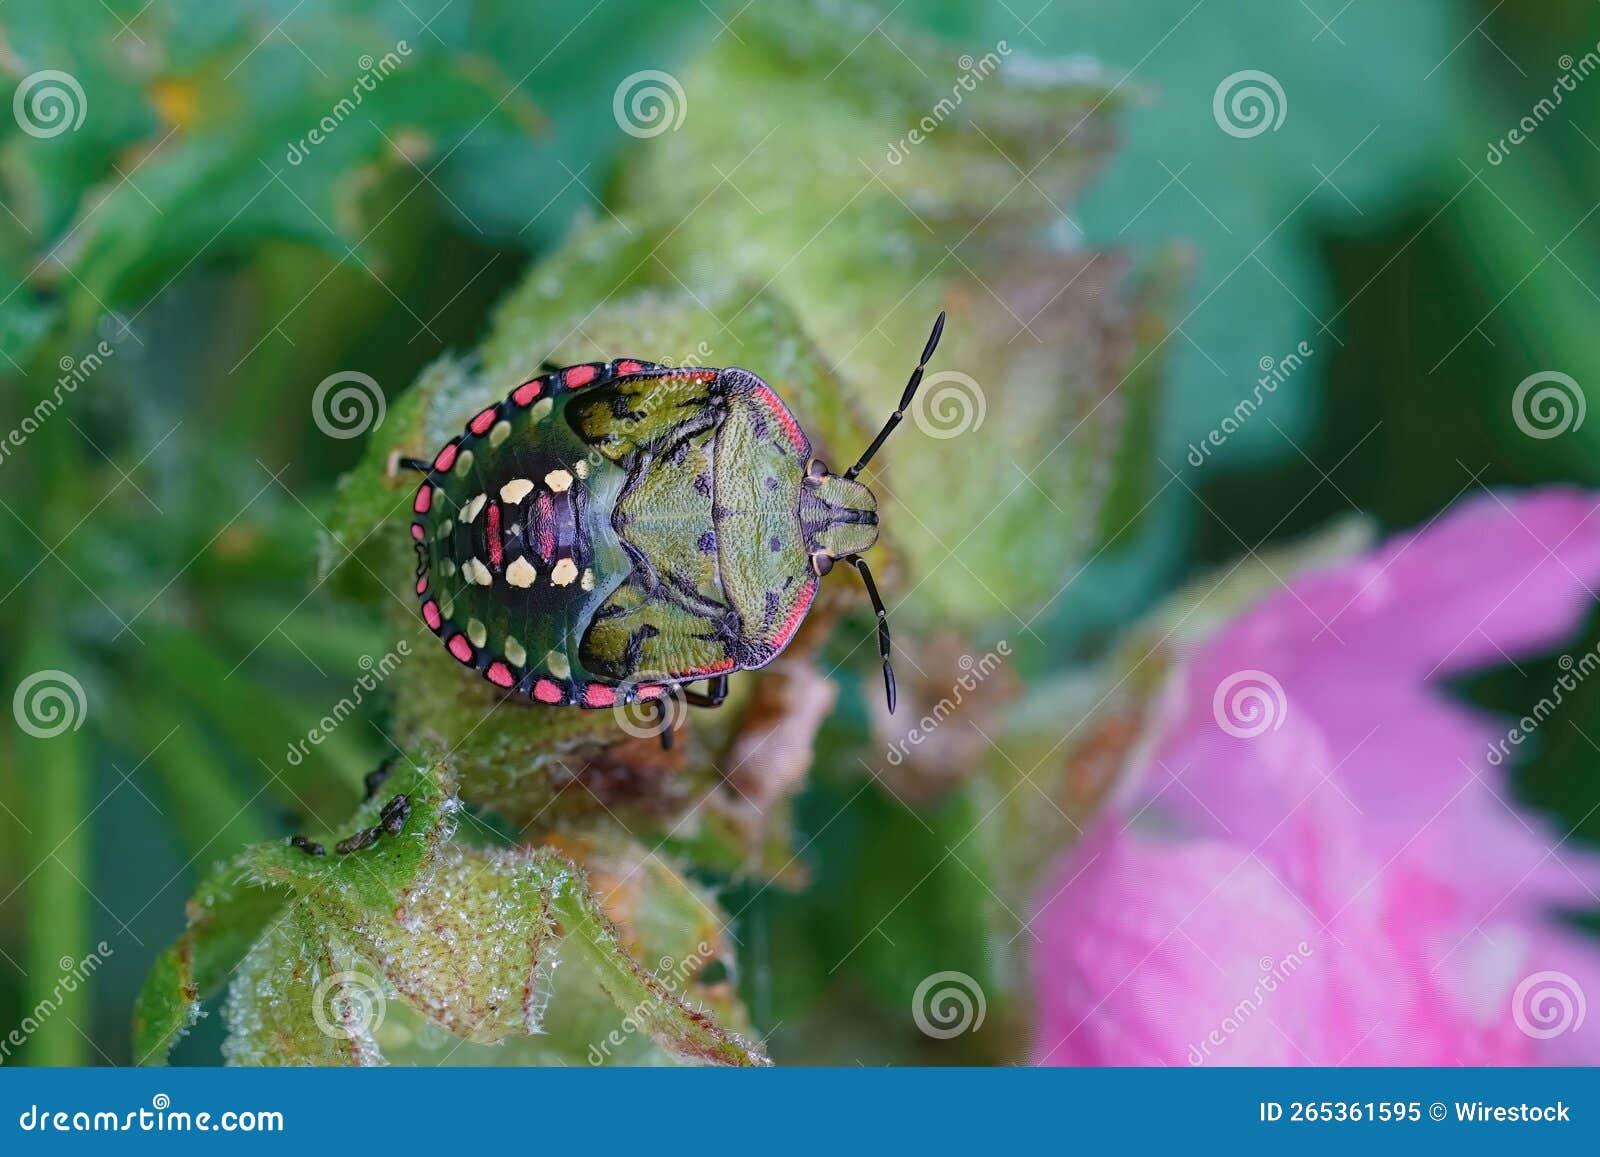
(580, 376)
(711, 669)
(480, 425)
(527, 392)
(778, 410)
(544, 525)
(430, 614)
(792, 623)
(596, 695)
(446, 458)
(651, 691)
(424, 499)
(460, 648)
(499, 674)
(422, 585)
(629, 367)
(547, 691)
(417, 531)
(497, 552)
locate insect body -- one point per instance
(610, 532)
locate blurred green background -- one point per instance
(162, 527)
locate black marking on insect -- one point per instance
(309, 847)
(612, 532)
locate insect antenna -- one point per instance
(905, 400)
(883, 616)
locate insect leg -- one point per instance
(716, 691)
(664, 717)
(416, 464)
(883, 627)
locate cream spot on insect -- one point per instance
(581, 468)
(522, 575)
(476, 572)
(447, 606)
(564, 572)
(477, 632)
(558, 481)
(515, 652)
(501, 431)
(541, 409)
(515, 490)
(446, 527)
(556, 663)
(587, 581)
(470, 510)
(447, 567)
(463, 463)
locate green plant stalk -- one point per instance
(57, 919)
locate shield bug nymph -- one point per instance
(613, 531)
